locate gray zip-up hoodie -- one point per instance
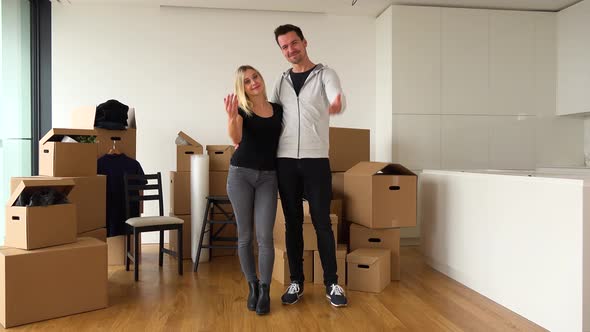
(306, 121)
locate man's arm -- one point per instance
(274, 96)
(334, 91)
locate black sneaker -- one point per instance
(293, 293)
(335, 294)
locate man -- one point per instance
(309, 94)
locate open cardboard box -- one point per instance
(32, 227)
(125, 140)
(380, 195)
(185, 151)
(57, 158)
(89, 196)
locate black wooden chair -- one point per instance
(136, 187)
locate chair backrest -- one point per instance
(136, 187)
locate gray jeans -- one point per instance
(253, 195)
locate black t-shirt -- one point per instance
(260, 140)
(299, 78)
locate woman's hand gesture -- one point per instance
(231, 106)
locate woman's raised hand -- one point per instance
(231, 106)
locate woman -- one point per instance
(254, 125)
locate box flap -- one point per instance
(220, 148)
(62, 185)
(366, 256)
(366, 168)
(56, 134)
(188, 139)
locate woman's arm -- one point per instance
(234, 120)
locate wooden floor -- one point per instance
(214, 300)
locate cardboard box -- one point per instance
(219, 157)
(218, 183)
(318, 270)
(338, 185)
(116, 249)
(89, 196)
(363, 237)
(281, 272)
(186, 236)
(184, 152)
(57, 158)
(99, 234)
(32, 227)
(368, 270)
(180, 193)
(52, 282)
(310, 240)
(348, 147)
(83, 117)
(124, 140)
(335, 208)
(380, 195)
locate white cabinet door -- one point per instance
(465, 61)
(512, 62)
(573, 59)
(416, 60)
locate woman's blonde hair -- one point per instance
(243, 100)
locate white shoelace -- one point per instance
(336, 290)
(293, 288)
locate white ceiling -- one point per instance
(344, 7)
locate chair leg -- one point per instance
(205, 220)
(161, 251)
(127, 249)
(180, 250)
(136, 253)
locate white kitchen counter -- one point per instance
(517, 237)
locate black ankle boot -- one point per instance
(263, 305)
(253, 295)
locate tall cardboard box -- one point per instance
(180, 193)
(89, 196)
(318, 270)
(380, 195)
(348, 147)
(57, 158)
(53, 282)
(185, 151)
(281, 272)
(363, 237)
(310, 240)
(368, 270)
(219, 157)
(99, 234)
(32, 227)
(186, 236)
(218, 183)
(125, 140)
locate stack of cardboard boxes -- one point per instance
(52, 236)
(125, 142)
(379, 198)
(219, 161)
(347, 147)
(180, 190)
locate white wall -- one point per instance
(383, 86)
(174, 65)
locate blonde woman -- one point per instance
(254, 124)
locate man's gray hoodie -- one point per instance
(306, 121)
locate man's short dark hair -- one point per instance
(285, 29)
